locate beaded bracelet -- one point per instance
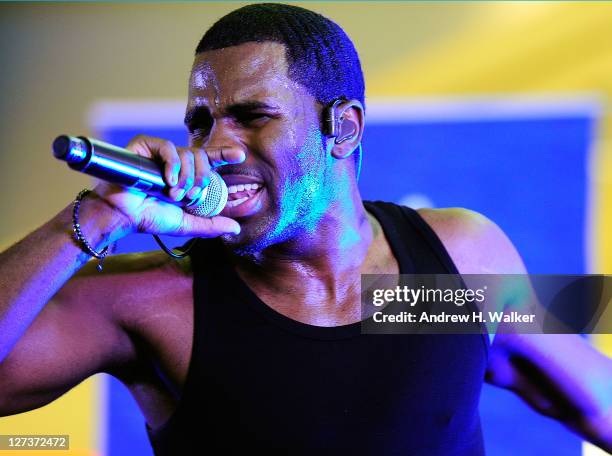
(78, 234)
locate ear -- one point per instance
(348, 128)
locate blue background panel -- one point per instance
(527, 176)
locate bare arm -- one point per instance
(58, 328)
(560, 375)
(34, 269)
(48, 346)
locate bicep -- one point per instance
(479, 248)
(560, 375)
(73, 337)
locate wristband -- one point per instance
(78, 234)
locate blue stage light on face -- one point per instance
(303, 194)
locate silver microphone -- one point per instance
(127, 169)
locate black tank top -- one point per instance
(261, 383)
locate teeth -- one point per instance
(234, 203)
(241, 188)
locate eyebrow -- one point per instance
(245, 106)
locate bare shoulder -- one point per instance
(130, 285)
(475, 243)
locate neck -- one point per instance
(338, 242)
(320, 270)
(319, 285)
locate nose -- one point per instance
(224, 140)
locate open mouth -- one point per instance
(238, 194)
(244, 195)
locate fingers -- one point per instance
(161, 150)
(195, 168)
(220, 155)
(201, 173)
(208, 227)
(172, 162)
(185, 175)
(181, 172)
(186, 170)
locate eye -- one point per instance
(199, 133)
(200, 125)
(252, 119)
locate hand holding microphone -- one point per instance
(172, 178)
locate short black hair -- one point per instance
(321, 57)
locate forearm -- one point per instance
(33, 270)
(597, 430)
(560, 376)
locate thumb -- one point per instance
(193, 225)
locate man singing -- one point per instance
(253, 342)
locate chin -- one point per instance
(238, 247)
(250, 241)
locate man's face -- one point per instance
(242, 97)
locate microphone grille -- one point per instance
(212, 199)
